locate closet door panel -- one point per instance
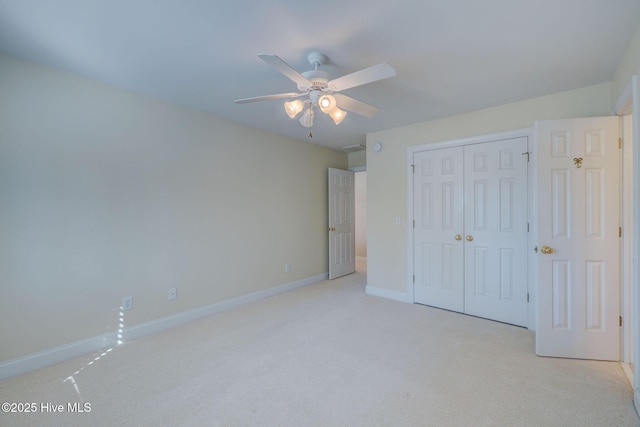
(495, 186)
(438, 214)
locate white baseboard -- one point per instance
(198, 313)
(55, 355)
(626, 368)
(58, 354)
(386, 293)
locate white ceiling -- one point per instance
(451, 56)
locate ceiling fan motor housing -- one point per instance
(319, 80)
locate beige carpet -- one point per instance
(329, 355)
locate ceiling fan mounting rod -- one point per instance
(317, 79)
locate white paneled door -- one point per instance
(341, 223)
(578, 238)
(470, 234)
(439, 226)
(496, 230)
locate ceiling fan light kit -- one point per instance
(327, 104)
(315, 84)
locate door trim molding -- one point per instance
(478, 139)
(629, 103)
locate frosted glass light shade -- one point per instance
(307, 118)
(337, 115)
(327, 103)
(293, 108)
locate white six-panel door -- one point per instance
(578, 218)
(341, 222)
(496, 230)
(470, 234)
(439, 226)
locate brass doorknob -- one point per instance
(458, 237)
(469, 238)
(547, 250)
(332, 229)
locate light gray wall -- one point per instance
(629, 66)
(358, 159)
(105, 194)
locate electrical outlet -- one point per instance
(287, 268)
(127, 303)
(172, 294)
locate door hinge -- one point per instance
(414, 278)
(620, 320)
(619, 231)
(413, 168)
(414, 223)
(527, 296)
(526, 154)
(527, 227)
(619, 143)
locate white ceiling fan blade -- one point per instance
(355, 106)
(362, 77)
(285, 69)
(269, 97)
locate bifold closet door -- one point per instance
(438, 214)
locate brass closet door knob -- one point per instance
(469, 238)
(547, 250)
(458, 237)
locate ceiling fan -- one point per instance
(320, 91)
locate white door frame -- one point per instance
(629, 102)
(527, 132)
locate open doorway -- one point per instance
(361, 220)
